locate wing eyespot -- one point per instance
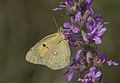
(44, 45)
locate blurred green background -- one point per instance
(24, 22)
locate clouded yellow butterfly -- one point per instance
(52, 51)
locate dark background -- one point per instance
(24, 22)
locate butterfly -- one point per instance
(52, 51)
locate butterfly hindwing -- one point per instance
(59, 56)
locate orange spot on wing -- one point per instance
(42, 51)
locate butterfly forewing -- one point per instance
(52, 51)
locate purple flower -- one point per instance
(95, 29)
(86, 5)
(73, 24)
(92, 76)
(72, 70)
(100, 59)
(64, 5)
(75, 30)
(67, 25)
(85, 30)
(112, 63)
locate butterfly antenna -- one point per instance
(55, 22)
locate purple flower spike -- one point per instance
(84, 30)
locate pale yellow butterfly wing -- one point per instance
(52, 51)
(59, 56)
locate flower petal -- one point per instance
(98, 74)
(70, 76)
(67, 25)
(63, 4)
(77, 16)
(97, 40)
(71, 19)
(101, 31)
(75, 30)
(69, 1)
(78, 54)
(112, 63)
(92, 68)
(91, 11)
